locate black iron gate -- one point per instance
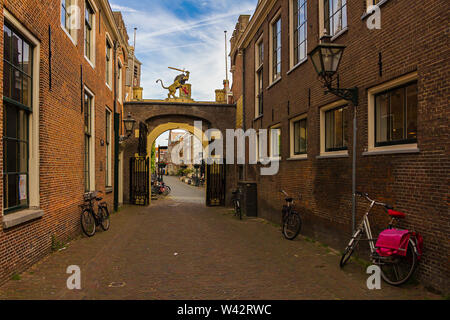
(215, 184)
(139, 181)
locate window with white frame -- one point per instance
(300, 32)
(275, 142)
(299, 136)
(259, 58)
(393, 114)
(275, 52)
(336, 137)
(108, 135)
(69, 17)
(88, 142)
(260, 148)
(396, 115)
(109, 63)
(89, 34)
(335, 16)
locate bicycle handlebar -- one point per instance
(287, 195)
(366, 195)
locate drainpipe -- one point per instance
(244, 126)
(116, 133)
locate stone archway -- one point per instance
(161, 116)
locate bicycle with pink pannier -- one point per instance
(396, 251)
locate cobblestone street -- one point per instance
(179, 249)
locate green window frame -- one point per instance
(108, 182)
(88, 103)
(108, 62)
(17, 107)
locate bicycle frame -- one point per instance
(365, 223)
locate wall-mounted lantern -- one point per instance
(326, 58)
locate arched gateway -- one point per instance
(154, 117)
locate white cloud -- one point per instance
(164, 39)
(116, 7)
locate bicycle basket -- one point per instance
(88, 196)
(392, 242)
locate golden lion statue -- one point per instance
(179, 81)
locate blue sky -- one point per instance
(184, 34)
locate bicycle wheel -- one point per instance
(292, 225)
(103, 213)
(88, 222)
(350, 248)
(238, 208)
(400, 269)
(166, 190)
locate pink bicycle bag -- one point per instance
(392, 242)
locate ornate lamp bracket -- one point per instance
(346, 94)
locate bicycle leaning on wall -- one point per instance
(291, 220)
(91, 219)
(396, 251)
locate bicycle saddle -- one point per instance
(396, 214)
(289, 199)
(99, 199)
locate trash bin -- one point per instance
(249, 203)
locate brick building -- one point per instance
(402, 72)
(63, 66)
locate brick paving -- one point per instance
(180, 249)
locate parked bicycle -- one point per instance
(237, 203)
(396, 251)
(159, 187)
(91, 219)
(164, 189)
(291, 220)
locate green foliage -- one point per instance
(153, 159)
(56, 245)
(16, 277)
(185, 172)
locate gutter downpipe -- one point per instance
(116, 134)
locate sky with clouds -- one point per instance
(183, 34)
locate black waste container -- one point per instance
(249, 203)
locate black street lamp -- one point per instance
(129, 123)
(326, 58)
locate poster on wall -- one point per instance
(23, 187)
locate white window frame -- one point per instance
(292, 63)
(271, 151)
(109, 78)
(33, 127)
(91, 142)
(258, 67)
(371, 93)
(292, 137)
(322, 29)
(71, 33)
(323, 153)
(271, 25)
(108, 182)
(93, 38)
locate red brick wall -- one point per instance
(412, 38)
(61, 134)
